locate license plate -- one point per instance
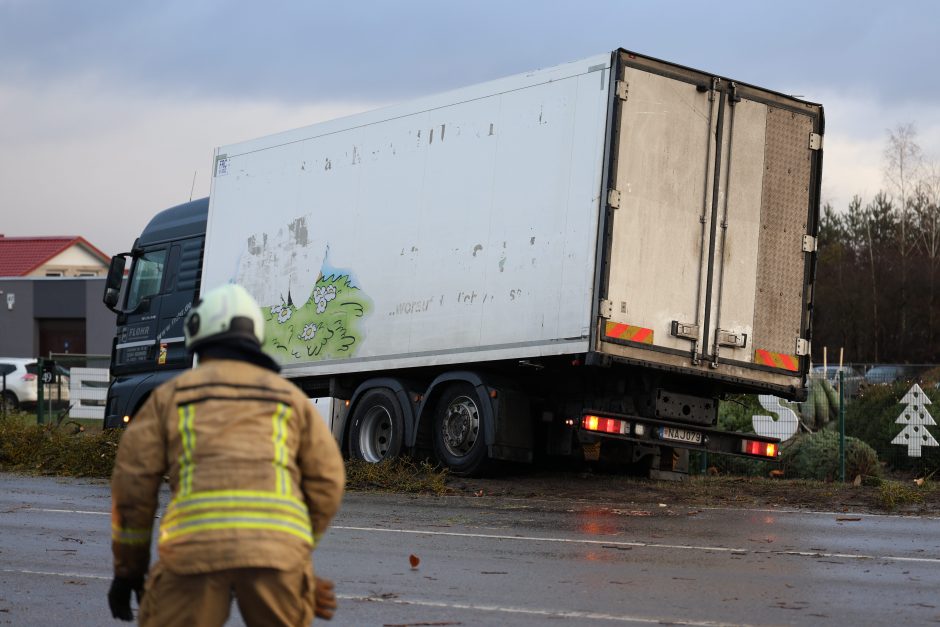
(680, 435)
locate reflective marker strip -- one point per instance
(777, 360)
(188, 438)
(236, 509)
(279, 437)
(629, 332)
(136, 344)
(262, 501)
(130, 535)
(237, 520)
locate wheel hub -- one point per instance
(461, 426)
(375, 437)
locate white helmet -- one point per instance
(224, 313)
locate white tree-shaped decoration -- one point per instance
(915, 419)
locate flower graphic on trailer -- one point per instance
(309, 331)
(322, 296)
(325, 326)
(312, 310)
(282, 313)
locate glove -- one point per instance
(325, 598)
(119, 596)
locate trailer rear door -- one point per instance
(712, 221)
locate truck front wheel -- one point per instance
(459, 431)
(377, 427)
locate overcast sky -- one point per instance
(109, 108)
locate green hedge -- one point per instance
(872, 418)
(816, 456)
(65, 450)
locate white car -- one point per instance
(21, 386)
(22, 378)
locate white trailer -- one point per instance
(589, 253)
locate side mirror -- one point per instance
(112, 286)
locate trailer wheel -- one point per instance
(377, 427)
(459, 437)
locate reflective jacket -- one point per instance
(254, 472)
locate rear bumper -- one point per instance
(650, 431)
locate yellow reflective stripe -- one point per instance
(304, 535)
(235, 515)
(236, 509)
(130, 535)
(188, 440)
(193, 509)
(257, 495)
(279, 437)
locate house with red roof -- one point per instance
(51, 256)
(50, 297)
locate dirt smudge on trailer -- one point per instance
(298, 229)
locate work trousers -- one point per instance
(265, 597)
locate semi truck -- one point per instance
(581, 260)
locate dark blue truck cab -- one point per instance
(159, 290)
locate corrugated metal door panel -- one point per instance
(663, 176)
(731, 319)
(778, 310)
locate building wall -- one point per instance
(43, 299)
(18, 337)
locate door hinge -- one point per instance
(815, 141)
(802, 347)
(622, 89)
(685, 330)
(731, 339)
(809, 244)
(605, 309)
(613, 198)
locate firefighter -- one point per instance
(255, 478)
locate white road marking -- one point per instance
(623, 618)
(453, 606)
(67, 511)
(646, 545)
(52, 574)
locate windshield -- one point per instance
(146, 278)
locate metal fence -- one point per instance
(73, 386)
(891, 407)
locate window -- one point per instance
(53, 273)
(146, 277)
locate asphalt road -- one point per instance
(500, 561)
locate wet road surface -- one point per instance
(502, 561)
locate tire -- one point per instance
(9, 403)
(378, 427)
(459, 434)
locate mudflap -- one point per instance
(670, 464)
(513, 438)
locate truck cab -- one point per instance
(151, 303)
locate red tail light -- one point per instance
(761, 449)
(29, 376)
(605, 425)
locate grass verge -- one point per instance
(75, 450)
(71, 449)
(402, 475)
(66, 449)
